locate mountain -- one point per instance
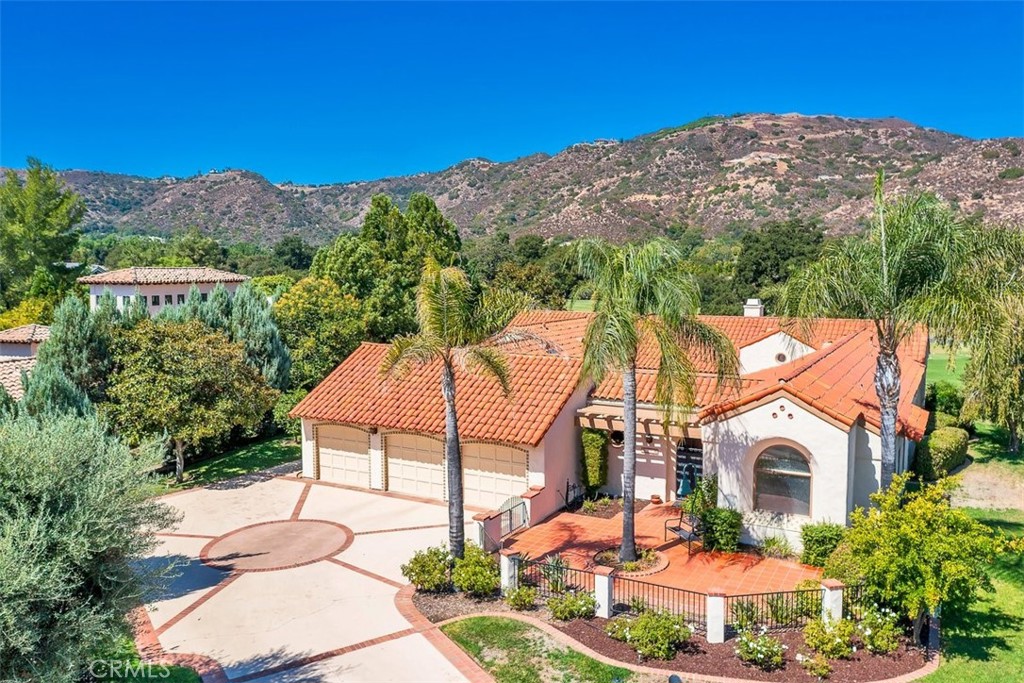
(708, 173)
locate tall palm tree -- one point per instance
(642, 295)
(453, 321)
(919, 264)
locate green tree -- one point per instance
(186, 381)
(49, 392)
(293, 252)
(251, 323)
(994, 377)
(451, 329)
(351, 263)
(320, 326)
(79, 344)
(76, 522)
(38, 219)
(194, 248)
(919, 264)
(642, 296)
(915, 552)
(429, 233)
(767, 257)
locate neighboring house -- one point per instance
(22, 342)
(159, 286)
(794, 439)
(10, 375)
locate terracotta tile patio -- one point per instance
(578, 537)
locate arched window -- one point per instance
(782, 481)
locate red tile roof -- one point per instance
(26, 334)
(161, 276)
(10, 374)
(354, 393)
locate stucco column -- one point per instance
(715, 612)
(831, 600)
(604, 582)
(509, 563)
(376, 461)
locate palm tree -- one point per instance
(643, 296)
(919, 264)
(453, 321)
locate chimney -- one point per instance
(753, 308)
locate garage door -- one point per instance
(344, 455)
(415, 465)
(492, 474)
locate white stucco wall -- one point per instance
(121, 291)
(731, 447)
(556, 459)
(308, 447)
(654, 463)
(762, 354)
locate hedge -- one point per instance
(944, 397)
(595, 458)
(943, 450)
(721, 529)
(819, 540)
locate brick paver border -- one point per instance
(204, 554)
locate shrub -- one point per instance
(776, 546)
(834, 640)
(809, 603)
(285, 402)
(879, 630)
(844, 565)
(476, 572)
(817, 665)
(653, 634)
(428, 569)
(944, 397)
(721, 529)
(761, 650)
(569, 606)
(819, 541)
(745, 615)
(554, 569)
(943, 450)
(1011, 173)
(522, 598)
(595, 458)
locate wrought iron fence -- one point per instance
(774, 611)
(630, 596)
(514, 516)
(553, 576)
(855, 602)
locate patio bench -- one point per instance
(687, 528)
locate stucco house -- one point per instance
(161, 287)
(23, 341)
(795, 438)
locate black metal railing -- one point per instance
(774, 611)
(630, 596)
(553, 576)
(513, 518)
(855, 602)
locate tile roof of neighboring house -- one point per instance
(10, 374)
(354, 393)
(161, 276)
(26, 334)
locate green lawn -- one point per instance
(124, 651)
(986, 644)
(580, 305)
(249, 458)
(938, 366)
(514, 652)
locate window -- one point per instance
(782, 481)
(97, 299)
(126, 300)
(155, 300)
(181, 298)
(203, 296)
(168, 300)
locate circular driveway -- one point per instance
(282, 579)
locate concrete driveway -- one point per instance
(285, 580)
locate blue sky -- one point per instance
(323, 92)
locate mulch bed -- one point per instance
(700, 657)
(440, 606)
(612, 508)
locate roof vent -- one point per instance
(753, 308)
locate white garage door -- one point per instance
(415, 465)
(344, 455)
(492, 473)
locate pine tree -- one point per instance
(48, 391)
(194, 306)
(79, 345)
(253, 326)
(217, 309)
